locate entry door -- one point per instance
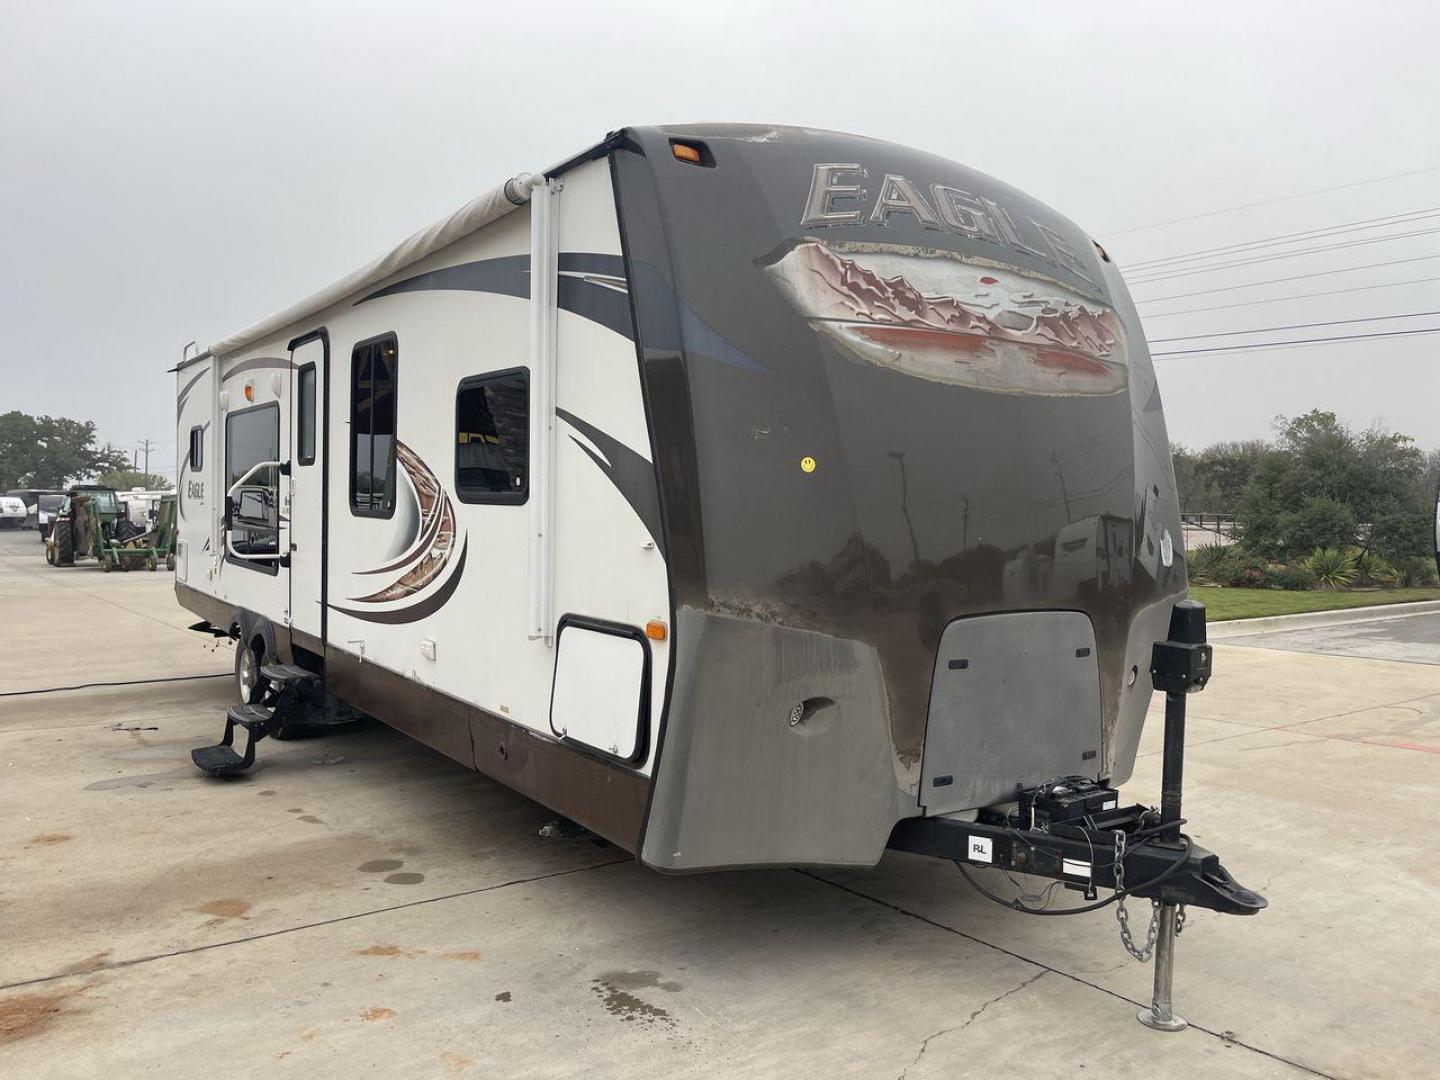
(310, 359)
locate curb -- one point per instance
(1230, 628)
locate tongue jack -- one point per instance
(1180, 665)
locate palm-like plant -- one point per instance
(1205, 558)
(1371, 569)
(1332, 567)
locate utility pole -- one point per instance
(145, 445)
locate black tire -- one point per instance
(170, 562)
(64, 544)
(260, 690)
(250, 685)
(50, 554)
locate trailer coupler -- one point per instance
(1073, 831)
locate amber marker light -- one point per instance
(249, 392)
(683, 152)
(655, 630)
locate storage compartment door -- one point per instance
(1015, 701)
(599, 696)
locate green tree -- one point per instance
(1214, 480)
(50, 451)
(125, 479)
(1325, 486)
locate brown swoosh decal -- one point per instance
(415, 612)
(438, 537)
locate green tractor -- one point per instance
(92, 523)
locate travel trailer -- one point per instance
(699, 488)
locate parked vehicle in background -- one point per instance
(142, 506)
(12, 512)
(30, 497)
(93, 523)
(46, 507)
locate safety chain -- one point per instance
(1180, 920)
(1123, 917)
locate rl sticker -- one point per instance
(980, 849)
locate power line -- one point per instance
(1297, 296)
(1170, 272)
(1292, 277)
(1300, 341)
(1295, 326)
(1269, 202)
(1305, 234)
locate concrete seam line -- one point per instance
(1063, 974)
(308, 926)
(123, 682)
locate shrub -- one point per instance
(1417, 572)
(1294, 578)
(1240, 568)
(1371, 569)
(1332, 567)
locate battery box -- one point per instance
(1069, 798)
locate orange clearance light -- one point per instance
(249, 392)
(685, 153)
(655, 630)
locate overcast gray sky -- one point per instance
(177, 170)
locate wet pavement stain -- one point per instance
(48, 839)
(311, 819)
(296, 810)
(153, 753)
(379, 866)
(454, 1063)
(388, 950)
(225, 909)
(142, 780)
(267, 792)
(469, 955)
(616, 992)
(378, 1013)
(404, 879)
(504, 995)
(29, 1014)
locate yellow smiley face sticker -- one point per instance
(807, 464)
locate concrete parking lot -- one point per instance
(361, 905)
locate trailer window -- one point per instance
(197, 447)
(492, 437)
(252, 437)
(372, 427)
(305, 415)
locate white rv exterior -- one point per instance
(371, 594)
(701, 489)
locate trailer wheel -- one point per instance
(50, 554)
(64, 536)
(250, 685)
(170, 562)
(105, 564)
